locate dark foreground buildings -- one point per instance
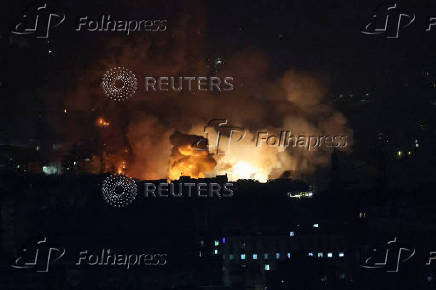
(275, 235)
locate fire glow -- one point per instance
(151, 136)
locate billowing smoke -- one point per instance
(152, 135)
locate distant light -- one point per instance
(243, 257)
(215, 252)
(231, 257)
(216, 243)
(224, 240)
(330, 255)
(320, 255)
(254, 256)
(289, 255)
(291, 234)
(310, 254)
(265, 256)
(267, 267)
(399, 153)
(341, 254)
(218, 61)
(409, 153)
(316, 225)
(50, 169)
(65, 111)
(37, 148)
(74, 163)
(277, 256)
(200, 254)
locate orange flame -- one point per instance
(102, 122)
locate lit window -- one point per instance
(291, 234)
(201, 243)
(242, 256)
(341, 254)
(310, 254)
(216, 243)
(231, 257)
(277, 255)
(289, 255)
(265, 256)
(215, 252)
(330, 255)
(254, 256)
(320, 255)
(315, 225)
(266, 267)
(200, 254)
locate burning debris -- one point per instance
(160, 128)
